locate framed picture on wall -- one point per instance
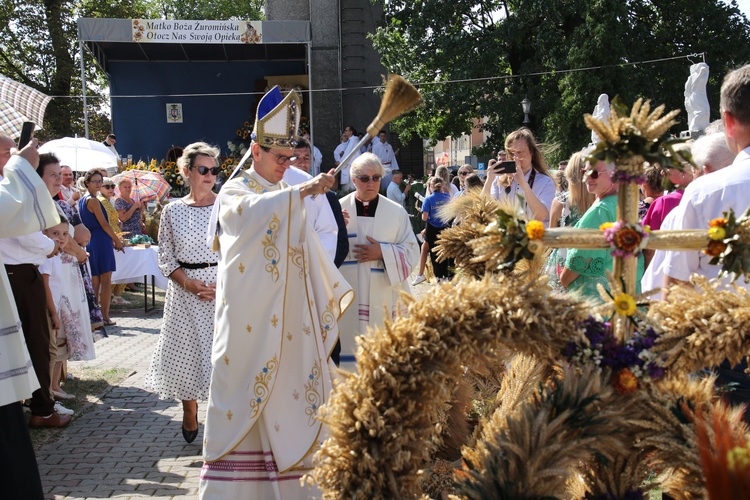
(174, 112)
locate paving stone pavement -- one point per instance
(129, 445)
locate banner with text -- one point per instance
(170, 31)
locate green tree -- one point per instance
(501, 51)
(38, 47)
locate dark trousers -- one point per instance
(17, 460)
(31, 301)
(441, 269)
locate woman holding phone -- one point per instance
(530, 179)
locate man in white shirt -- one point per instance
(317, 155)
(394, 192)
(319, 212)
(351, 143)
(384, 151)
(68, 191)
(708, 197)
(110, 142)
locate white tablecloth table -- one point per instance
(136, 263)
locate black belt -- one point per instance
(200, 265)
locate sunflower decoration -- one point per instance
(617, 301)
(241, 141)
(508, 239)
(630, 138)
(625, 239)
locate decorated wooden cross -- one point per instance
(581, 403)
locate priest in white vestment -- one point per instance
(385, 152)
(26, 207)
(278, 300)
(383, 250)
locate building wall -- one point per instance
(346, 66)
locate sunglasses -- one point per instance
(108, 186)
(594, 174)
(463, 173)
(206, 170)
(367, 178)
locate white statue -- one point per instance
(601, 112)
(696, 100)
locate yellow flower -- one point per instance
(625, 304)
(625, 382)
(717, 233)
(719, 222)
(535, 229)
(606, 225)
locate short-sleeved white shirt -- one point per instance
(706, 198)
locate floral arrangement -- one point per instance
(628, 361)
(304, 126)
(512, 236)
(625, 239)
(141, 239)
(728, 245)
(241, 142)
(629, 138)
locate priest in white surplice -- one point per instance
(26, 207)
(278, 300)
(382, 253)
(384, 151)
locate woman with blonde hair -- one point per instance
(531, 180)
(566, 210)
(181, 365)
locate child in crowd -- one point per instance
(66, 302)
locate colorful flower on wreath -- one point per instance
(625, 304)
(535, 229)
(606, 225)
(718, 222)
(625, 382)
(717, 233)
(715, 248)
(626, 239)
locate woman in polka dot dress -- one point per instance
(181, 365)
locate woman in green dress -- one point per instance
(584, 269)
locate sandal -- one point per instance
(109, 322)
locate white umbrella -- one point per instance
(81, 154)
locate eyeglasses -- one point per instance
(92, 181)
(206, 170)
(281, 159)
(368, 178)
(594, 174)
(462, 173)
(108, 186)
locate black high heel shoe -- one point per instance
(190, 435)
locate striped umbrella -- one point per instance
(146, 185)
(20, 103)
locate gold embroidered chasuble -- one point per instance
(278, 300)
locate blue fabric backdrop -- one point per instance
(140, 123)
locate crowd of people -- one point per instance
(328, 269)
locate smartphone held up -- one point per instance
(27, 133)
(505, 167)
